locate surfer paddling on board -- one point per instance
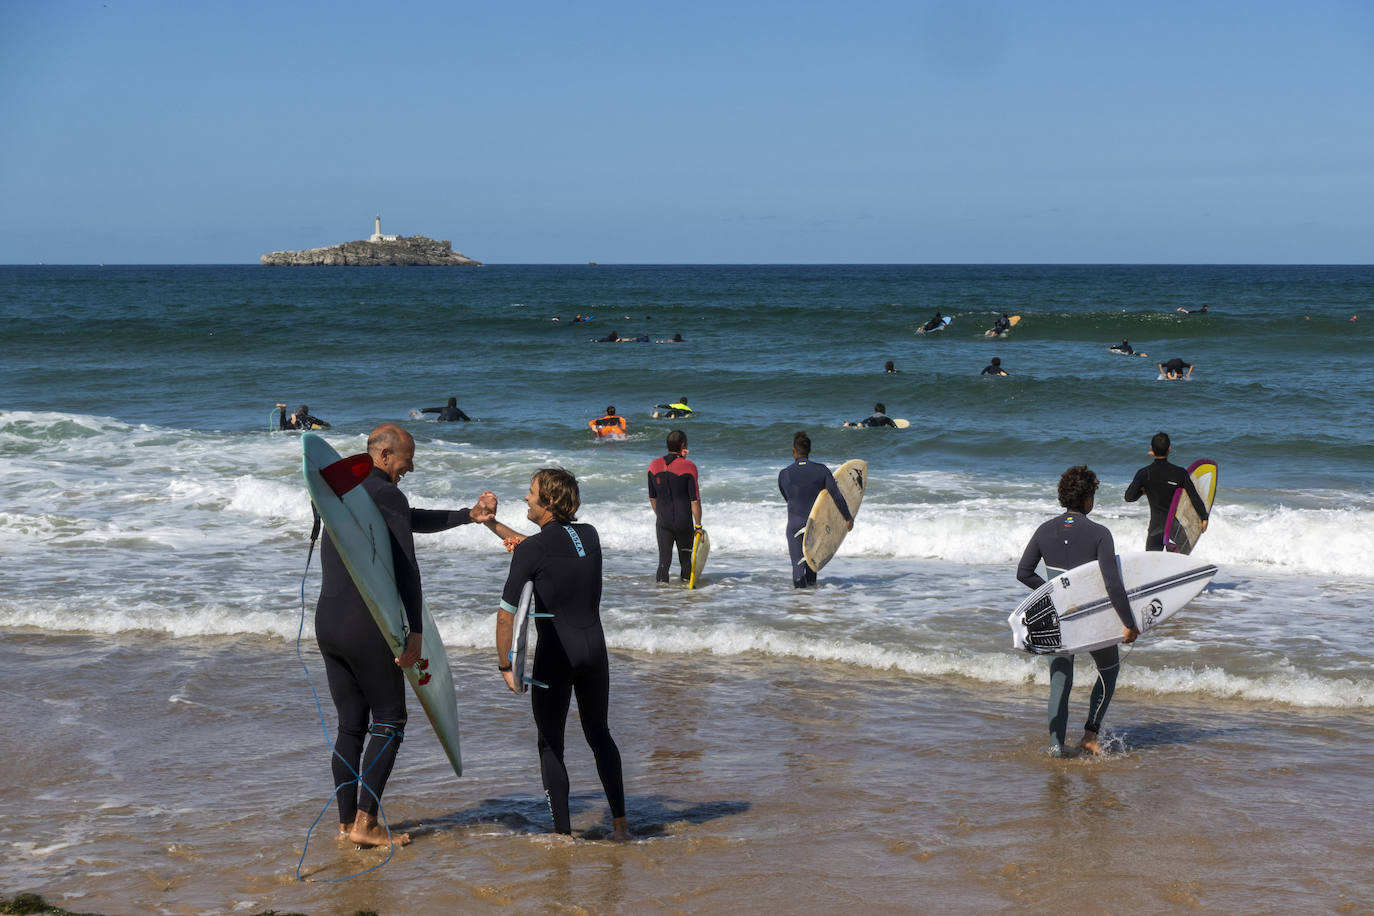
(994, 367)
(1176, 369)
(879, 417)
(609, 426)
(564, 562)
(1063, 542)
(366, 681)
(676, 501)
(801, 482)
(1125, 347)
(1158, 482)
(301, 419)
(449, 412)
(933, 324)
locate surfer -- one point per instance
(800, 483)
(366, 681)
(1063, 542)
(612, 337)
(879, 417)
(890, 366)
(676, 410)
(1125, 347)
(609, 425)
(1174, 369)
(1201, 311)
(1000, 326)
(676, 500)
(933, 324)
(301, 419)
(676, 338)
(1159, 481)
(994, 368)
(448, 412)
(564, 562)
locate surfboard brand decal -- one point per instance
(1156, 608)
(1063, 581)
(423, 665)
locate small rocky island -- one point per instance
(378, 251)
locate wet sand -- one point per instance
(161, 775)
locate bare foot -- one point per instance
(344, 830)
(367, 832)
(1089, 743)
(620, 831)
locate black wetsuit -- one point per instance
(937, 322)
(1176, 365)
(878, 419)
(800, 483)
(1159, 481)
(1001, 326)
(1123, 347)
(447, 413)
(367, 686)
(1064, 542)
(564, 562)
(300, 421)
(673, 485)
(993, 370)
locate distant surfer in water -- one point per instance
(1063, 542)
(449, 412)
(1000, 326)
(994, 367)
(800, 483)
(1158, 482)
(612, 337)
(301, 419)
(676, 338)
(564, 562)
(890, 366)
(1125, 347)
(1174, 369)
(933, 324)
(675, 498)
(674, 411)
(1201, 311)
(366, 681)
(609, 426)
(879, 417)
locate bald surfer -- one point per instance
(366, 682)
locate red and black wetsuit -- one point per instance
(673, 485)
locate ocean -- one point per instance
(873, 742)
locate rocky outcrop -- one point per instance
(415, 251)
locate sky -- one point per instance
(909, 131)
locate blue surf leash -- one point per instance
(329, 742)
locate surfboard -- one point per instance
(359, 532)
(944, 323)
(519, 648)
(825, 528)
(1072, 613)
(1182, 526)
(898, 422)
(701, 549)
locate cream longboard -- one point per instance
(825, 526)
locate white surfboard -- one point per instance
(520, 641)
(701, 549)
(1183, 526)
(1072, 613)
(944, 323)
(825, 526)
(359, 532)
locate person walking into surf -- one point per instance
(800, 483)
(1064, 542)
(564, 562)
(1158, 482)
(676, 501)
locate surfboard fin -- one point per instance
(346, 473)
(529, 680)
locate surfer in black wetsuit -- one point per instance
(449, 412)
(994, 368)
(1001, 325)
(1159, 481)
(1063, 542)
(366, 680)
(800, 483)
(301, 419)
(879, 417)
(1124, 347)
(676, 500)
(1174, 369)
(564, 562)
(937, 322)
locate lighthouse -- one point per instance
(377, 232)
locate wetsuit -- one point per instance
(878, 419)
(300, 421)
(932, 324)
(1123, 348)
(1176, 365)
(367, 686)
(1001, 326)
(447, 413)
(1159, 481)
(1064, 542)
(993, 370)
(673, 486)
(674, 411)
(564, 562)
(800, 483)
(609, 425)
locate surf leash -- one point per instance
(329, 742)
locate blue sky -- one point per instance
(711, 132)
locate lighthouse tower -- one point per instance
(377, 233)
